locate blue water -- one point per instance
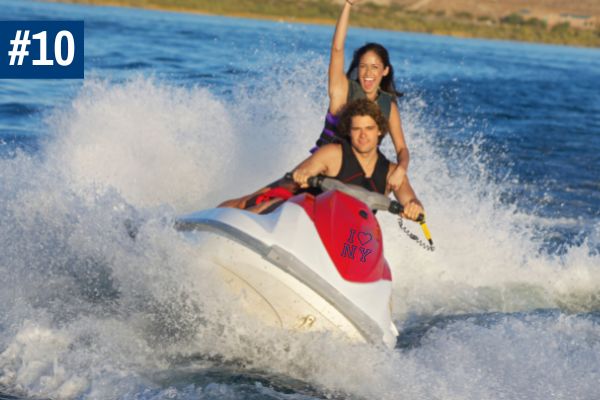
(180, 111)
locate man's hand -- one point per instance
(413, 209)
(300, 176)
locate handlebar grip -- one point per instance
(315, 181)
(395, 207)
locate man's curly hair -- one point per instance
(361, 107)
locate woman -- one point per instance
(372, 76)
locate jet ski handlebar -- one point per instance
(375, 201)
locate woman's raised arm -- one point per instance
(338, 83)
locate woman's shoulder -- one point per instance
(389, 97)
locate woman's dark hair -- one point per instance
(387, 83)
(362, 107)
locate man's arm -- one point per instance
(408, 198)
(326, 161)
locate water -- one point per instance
(178, 112)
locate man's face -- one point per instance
(364, 134)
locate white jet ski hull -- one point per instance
(295, 288)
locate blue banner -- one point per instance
(41, 49)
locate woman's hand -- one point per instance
(396, 178)
(413, 209)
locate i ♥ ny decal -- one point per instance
(357, 242)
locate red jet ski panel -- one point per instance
(350, 234)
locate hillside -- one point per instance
(499, 8)
(581, 13)
(575, 22)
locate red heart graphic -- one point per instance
(364, 238)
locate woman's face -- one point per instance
(370, 73)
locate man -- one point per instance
(355, 160)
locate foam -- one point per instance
(91, 313)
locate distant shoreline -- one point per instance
(148, 5)
(323, 12)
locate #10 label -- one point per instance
(41, 49)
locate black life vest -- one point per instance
(351, 171)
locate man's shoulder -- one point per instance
(331, 148)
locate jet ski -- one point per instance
(315, 263)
